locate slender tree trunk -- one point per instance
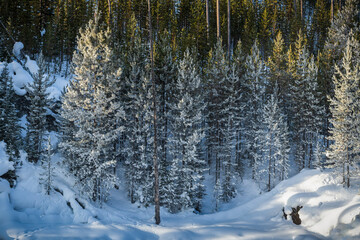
(49, 175)
(332, 10)
(301, 10)
(218, 19)
(237, 150)
(156, 170)
(343, 165)
(310, 155)
(109, 20)
(207, 21)
(348, 175)
(270, 152)
(229, 28)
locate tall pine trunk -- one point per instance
(218, 19)
(156, 170)
(207, 21)
(229, 28)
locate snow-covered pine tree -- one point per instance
(255, 79)
(36, 119)
(47, 175)
(238, 64)
(344, 22)
(233, 109)
(218, 112)
(138, 163)
(91, 108)
(275, 147)
(345, 108)
(139, 157)
(308, 111)
(315, 111)
(187, 169)
(300, 106)
(67, 133)
(165, 71)
(216, 72)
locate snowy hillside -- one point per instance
(328, 211)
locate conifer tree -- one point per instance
(277, 66)
(344, 22)
(255, 79)
(233, 108)
(166, 73)
(138, 110)
(238, 109)
(36, 118)
(315, 109)
(275, 146)
(187, 169)
(307, 109)
(344, 107)
(217, 73)
(90, 106)
(9, 127)
(138, 163)
(319, 26)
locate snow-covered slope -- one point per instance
(328, 211)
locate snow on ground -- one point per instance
(329, 211)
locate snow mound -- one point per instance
(5, 164)
(18, 46)
(22, 77)
(31, 65)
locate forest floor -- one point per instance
(329, 211)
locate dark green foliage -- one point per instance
(9, 127)
(184, 20)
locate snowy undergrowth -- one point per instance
(21, 78)
(329, 210)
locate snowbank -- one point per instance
(328, 210)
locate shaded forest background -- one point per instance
(184, 20)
